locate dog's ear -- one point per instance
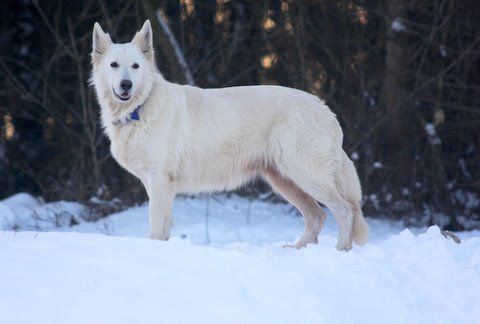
(100, 42)
(144, 40)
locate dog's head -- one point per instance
(123, 72)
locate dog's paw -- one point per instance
(301, 243)
(344, 247)
(158, 236)
(294, 246)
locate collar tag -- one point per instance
(134, 114)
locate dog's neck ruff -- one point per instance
(129, 118)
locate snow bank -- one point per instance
(24, 212)
(225, 264)
(53, 277)
(16, 209)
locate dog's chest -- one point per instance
(129, 150)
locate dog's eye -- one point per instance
(135, 66)
(114, 64)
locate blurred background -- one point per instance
(402, 76)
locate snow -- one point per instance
(432, 133)
(398, 26)
(405, 191)
(378, 165)
(24, 212)
(443, 51)
(106, 272)
(463, 167)
(369, 98)
(430, 129)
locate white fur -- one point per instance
(191, 140)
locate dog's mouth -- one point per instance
(124, 96)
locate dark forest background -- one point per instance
(402, 76)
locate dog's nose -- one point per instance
(126, 85)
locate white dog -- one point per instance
(183, 139)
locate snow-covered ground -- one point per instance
(225, 264)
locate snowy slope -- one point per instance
(230, 267)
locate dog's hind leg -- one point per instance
(320, 180)
(325, 190)
(313, 214)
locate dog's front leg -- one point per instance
(161, 194)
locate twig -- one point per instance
(207, 216)
(448, 234)
(178, 52)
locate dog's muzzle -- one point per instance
(126, 86)
(124, 95)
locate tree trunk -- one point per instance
(396, 66)
(399, 127)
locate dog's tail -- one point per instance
(350, 186)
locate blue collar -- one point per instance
(132, 116)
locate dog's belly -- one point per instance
(213, 185)
(217, 176)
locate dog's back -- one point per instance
(247, 129)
